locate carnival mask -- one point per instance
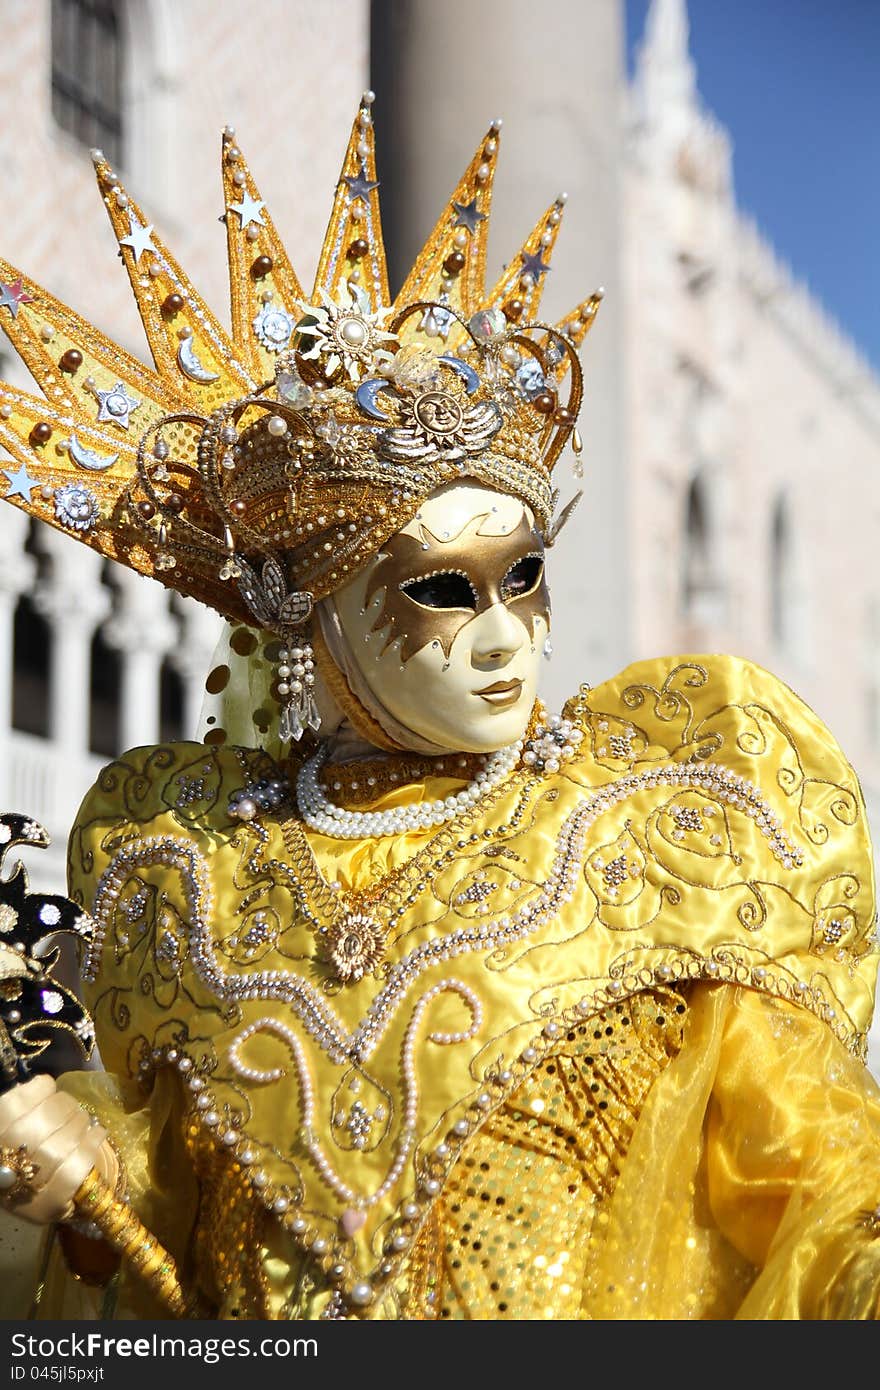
(447, 625)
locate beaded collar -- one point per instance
(359, 781)
(363, 780)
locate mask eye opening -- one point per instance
(531, 569)
(441, 589)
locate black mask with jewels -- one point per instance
(434, 585)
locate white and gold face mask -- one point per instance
(446, 627)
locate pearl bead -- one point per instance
(361, 1293)
(354, 332)
(8, 1178)
(276, 425)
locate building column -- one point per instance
(558, 85)
(74, 601)
(142, 630)
(192, 658)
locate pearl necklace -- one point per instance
(322, 814)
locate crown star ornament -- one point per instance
(259, 469)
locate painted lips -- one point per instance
(502, 694)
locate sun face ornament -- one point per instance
(438, 425)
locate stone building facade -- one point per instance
(753, 425)
(752, 428)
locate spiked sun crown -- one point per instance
(309, 435)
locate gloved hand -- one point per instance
(62, 1144)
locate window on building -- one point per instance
(696, 544)
(87, 61)
(700, 587)
(780, 573)
(788, 585)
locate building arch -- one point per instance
(105, 681)
(702, 585)
(31, 650)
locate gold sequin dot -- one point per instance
(218, 679)
(243, 642)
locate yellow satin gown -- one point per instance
(607, 1061)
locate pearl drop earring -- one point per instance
(296, 688)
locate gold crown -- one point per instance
(313, 432)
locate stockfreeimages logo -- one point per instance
(97, 1345)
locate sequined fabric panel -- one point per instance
(229, 1230)
(512, 1233)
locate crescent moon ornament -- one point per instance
(190, 365)
(366, 395)
(464, 370)
(86, 458)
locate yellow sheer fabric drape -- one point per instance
(748, 1184)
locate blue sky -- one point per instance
(797, 84)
